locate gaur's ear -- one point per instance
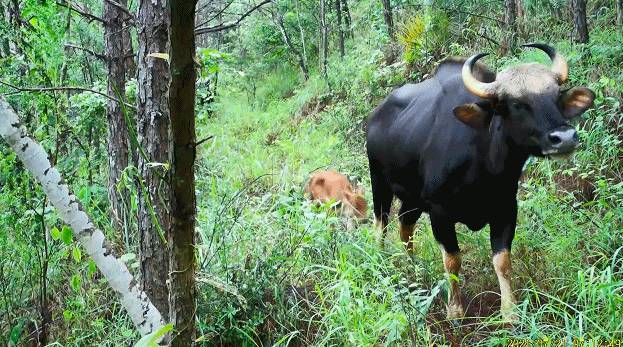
(476, 116)
(576, 100)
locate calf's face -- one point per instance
(327, 186)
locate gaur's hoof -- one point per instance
(510, 315)
(454, 313)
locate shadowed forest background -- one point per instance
(284, 87)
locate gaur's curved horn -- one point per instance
(559, 64)
(481, 89)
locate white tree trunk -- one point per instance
(142, 312)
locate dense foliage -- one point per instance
(273, 268)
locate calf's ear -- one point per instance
(476, 116)
(359, 204)
(576, 101)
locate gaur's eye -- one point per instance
(520, 106)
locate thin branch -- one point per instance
(204, 140)
(215, 16)
(225, 26)
(53, 89)
(93, 53)
(81, 12)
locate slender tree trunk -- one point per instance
(620, 14)
(118, 135)
(519, 8)
(182, 299)
(288, 42)
(340, 28)
(348, 18)
(580, 27)
(15, 19)
(302, 32)
(153, 130)
(324, 44)
(389, 18)
(510, 17)
(142, 312)
(4, 41)
(520, 24)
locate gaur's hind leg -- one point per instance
(382, 197)
(408, 216)
(445, 234)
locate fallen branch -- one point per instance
(224, 26)
(55, 89)
(141, 310)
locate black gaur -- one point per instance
(455, 144)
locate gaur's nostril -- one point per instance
(554, 139)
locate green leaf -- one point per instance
(66, 235)
(92, 268)
(77, 254)
(55, 233)
(75, 282)
(68, 315)
(16, 332)
(128, 257)
(150, 340)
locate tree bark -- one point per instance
(130, 55)
(118, 134)
(580, 27)
(14, 12)
(4, 41)
(142, 312)
(348, 18)
(340, 28)
(620, 14)
(510, 17)
(288, 42)
(154, 137)
(324, 45)
(182, 299)
(389, 18)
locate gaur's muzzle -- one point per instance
(562, 140)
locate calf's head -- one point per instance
(333, 186)
(526, 106)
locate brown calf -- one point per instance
(327, 186)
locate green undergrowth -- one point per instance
(281, 271)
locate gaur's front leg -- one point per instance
(502, 234)
(445, 234)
